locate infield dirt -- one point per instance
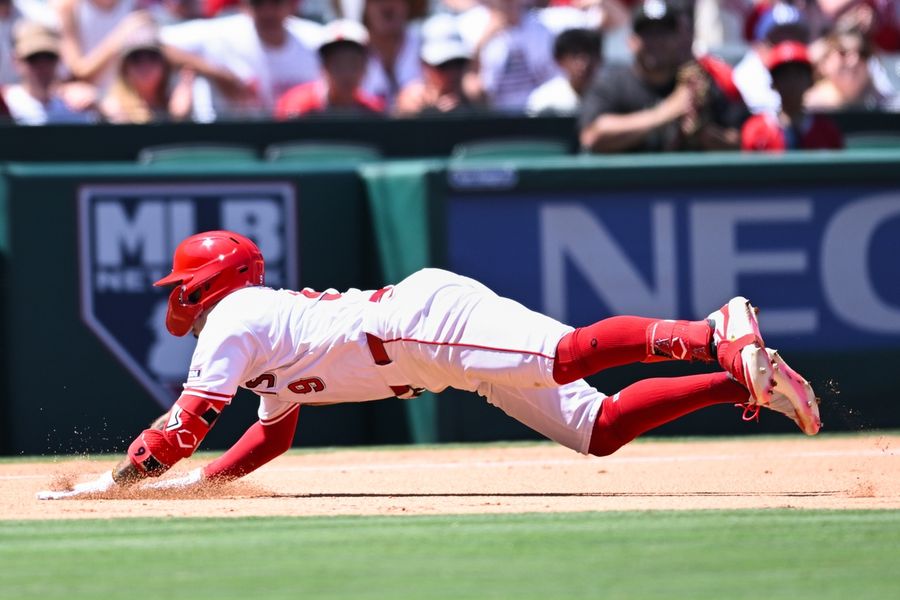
(826, 472)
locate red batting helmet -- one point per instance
(207, 267)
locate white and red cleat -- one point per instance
(740, 349)
(793, 396)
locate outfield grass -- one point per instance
(722, 555)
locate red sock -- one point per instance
(623, 340)
(650, 403)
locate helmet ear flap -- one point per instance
(180, 316)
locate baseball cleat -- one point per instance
(740, 349)
(793, 396)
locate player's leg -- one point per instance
(626, 339)
(729, 335)
(650, 403)
(579, 417)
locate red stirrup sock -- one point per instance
(623, 340)
(647, 404)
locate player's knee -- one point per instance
(567, 365)
(604, 440)
(603, 445)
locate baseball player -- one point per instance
(433, 330)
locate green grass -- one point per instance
(711, 554)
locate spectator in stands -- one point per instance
(780, 23)
(393, 46)
(142, 91)
(343, 52)
(445, 58)
(878, 20)
(11, 12)
(791, 128)
(667, 100)
(512, 53)
(578, 53)
(252, 58)
(41, 98)
(847, 80)
(93, 34)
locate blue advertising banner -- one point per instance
(822, 263)
(127, 235)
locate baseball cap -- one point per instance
(787, 52)
(33, 38)
(442, 42)
(344, 30)
(651, 12)
(145, 38)
(780, 15)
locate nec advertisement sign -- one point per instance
(127, 235)
(823, 264)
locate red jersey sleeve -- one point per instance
(721, 73)
(299, 100)
(760, 134)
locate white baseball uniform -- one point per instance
(436, 329)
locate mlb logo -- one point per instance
(127, 235)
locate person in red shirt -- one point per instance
(792, 128)
(344, 57)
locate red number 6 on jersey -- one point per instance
(307, 385)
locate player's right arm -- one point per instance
(169, 439)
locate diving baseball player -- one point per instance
(433, 330)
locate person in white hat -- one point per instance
(41, 97)
(444, 58)
(143, 91)
(343, 52)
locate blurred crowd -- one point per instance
(640, 75)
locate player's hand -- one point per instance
(102, 484)
(192, 479)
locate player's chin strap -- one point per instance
(156, 450)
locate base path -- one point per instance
(826, 472)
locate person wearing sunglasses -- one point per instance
(146, 88)
(41, 97)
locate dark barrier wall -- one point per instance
(394, 137)
(811, 238)
(88, 364)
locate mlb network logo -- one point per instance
(127, 235)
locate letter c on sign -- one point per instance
(846, 273)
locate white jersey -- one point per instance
(436, 328)
(232, 42)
